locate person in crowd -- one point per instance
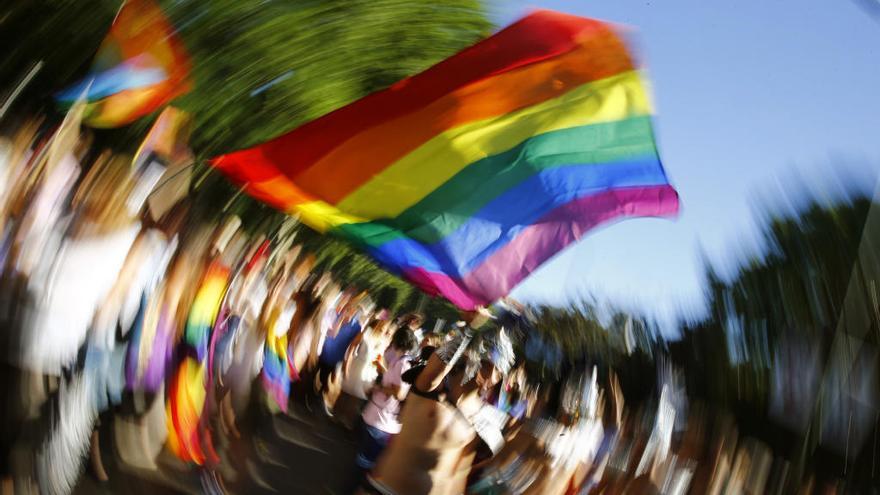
(438, 439)
(516, 467)
(380, 418)
(348, 325)
(312, 301)
(360, 367)
(414, 322)
(431, 340)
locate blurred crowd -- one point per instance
(119, 305)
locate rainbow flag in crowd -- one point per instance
(277, 368)
(468, 176)
(205, 308)
(140, 66)
(187, 393)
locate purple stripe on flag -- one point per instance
(536, 243)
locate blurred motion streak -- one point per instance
(163, 332)
(140, 67)
(210, 343)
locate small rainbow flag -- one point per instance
(276, 372)
(187, 391)
(468, 176)
(140, 66)
(205, 308)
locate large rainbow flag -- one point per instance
(140, 66)
(468, 176)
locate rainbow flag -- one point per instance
(187, 392)
(205, 308)
(468, 176)
(140, 66)
(276, 372)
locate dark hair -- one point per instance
(404, 339)
(411, 317)
(514, 395)
(418, 364)
(426, 352)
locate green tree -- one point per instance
(263, 68)
(260, 69)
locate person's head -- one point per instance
(486, 358)
(426, 352)
(349, 304)
(323, 286)
(432, 340)
(382, 315)
(404, 340)
(489, 375)
(388, 329)
(413, 321)
(374, 328)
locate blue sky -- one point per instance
(751, 95)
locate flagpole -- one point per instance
(169, 179)
(18, 89)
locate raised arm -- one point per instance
(432, 376)
(436, 369)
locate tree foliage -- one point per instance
(259, 70)
(808, 289)
(262, 68)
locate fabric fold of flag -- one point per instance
(468, 176)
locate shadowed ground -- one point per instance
(297, 452)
